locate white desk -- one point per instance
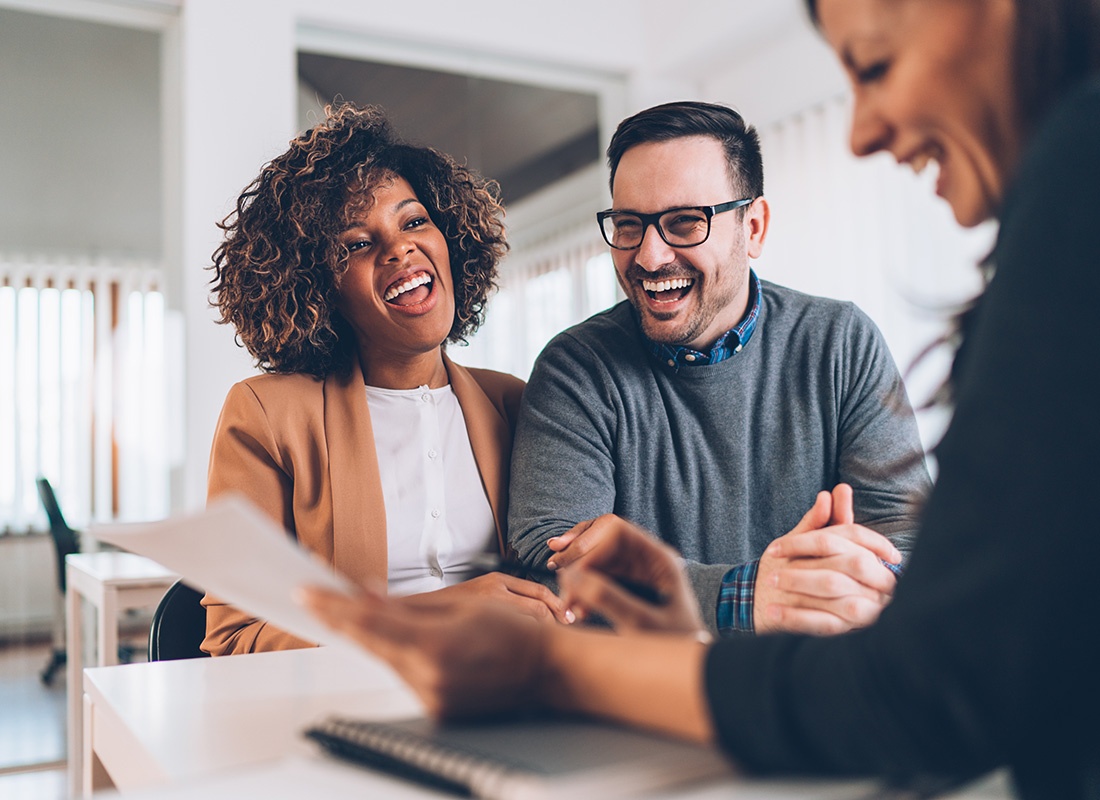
(159, 723)
(232, 727)
(296, 777)
(112, 582)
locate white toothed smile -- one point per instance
(667, 286)
(667, 291)
(397, 290)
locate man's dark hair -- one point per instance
(670, 121)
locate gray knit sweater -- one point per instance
(717, 460)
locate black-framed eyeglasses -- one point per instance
(679, 227)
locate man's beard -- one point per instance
(706, 306)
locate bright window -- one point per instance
(82, 398)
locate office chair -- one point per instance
(179, 625)
(65, 541)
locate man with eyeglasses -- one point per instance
(712, 408)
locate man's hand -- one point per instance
(526, 597)
(825, 576)
(597, 556)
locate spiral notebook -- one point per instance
(527, 759)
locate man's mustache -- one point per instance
(671, 272)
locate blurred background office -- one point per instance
(128, 128)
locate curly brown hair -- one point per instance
(278, 269)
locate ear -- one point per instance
(756, 220)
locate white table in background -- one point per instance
(112, 582)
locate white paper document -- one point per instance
(238, 554)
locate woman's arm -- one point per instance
(650, 680)
(244, 459)
(466, 657)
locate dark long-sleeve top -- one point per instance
(988, 653)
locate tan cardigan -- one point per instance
(303, 450)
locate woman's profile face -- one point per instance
(397, 291)
(932, 83)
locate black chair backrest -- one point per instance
(179, 625)
(65, 539)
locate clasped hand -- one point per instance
(825, 576)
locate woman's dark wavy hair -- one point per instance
(1057, 46)
(278, 269)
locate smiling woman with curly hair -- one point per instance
(279, 268)
(346, 266)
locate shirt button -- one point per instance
(435, 513)
(436, 572)
(672, 362)
(689, 357)
(425, 397)
(432, 453)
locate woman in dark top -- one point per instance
(986, 655)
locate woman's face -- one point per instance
(397, 291)
(932, 81)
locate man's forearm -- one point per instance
(562, 471)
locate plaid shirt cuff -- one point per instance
(897, 569)
(734, 613)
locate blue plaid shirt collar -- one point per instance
(729, 343)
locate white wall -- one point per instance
(788, 71)
(233, 100)
(609, 36)
(81, 155)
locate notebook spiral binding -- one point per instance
(408, 755)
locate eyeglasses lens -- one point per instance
(682, 227)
